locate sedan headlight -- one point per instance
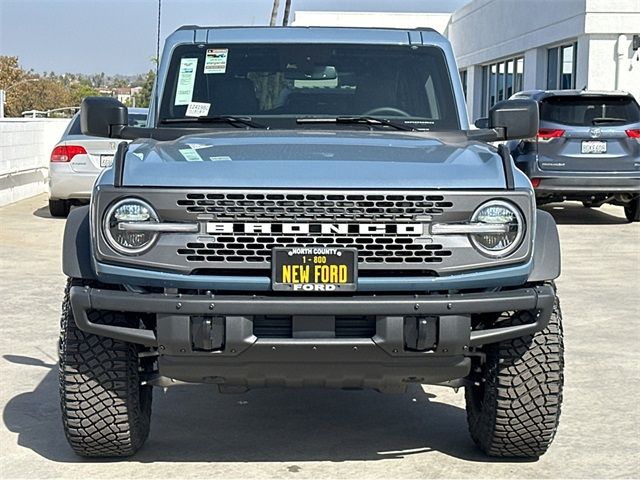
(130, 212)
(507, 234)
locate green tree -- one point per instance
(26, 90)
(80, 90)
(144, 97)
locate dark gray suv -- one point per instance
(587, 149)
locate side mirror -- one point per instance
(482, 123)
(103, 117)
(517, 118)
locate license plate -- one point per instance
(314, 269)
(106, 160)
(591, 146)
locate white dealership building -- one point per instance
(504, 46)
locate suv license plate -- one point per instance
(106, 160)
(314, 269)
(594, 146)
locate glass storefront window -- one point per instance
(500, 80)
(561, 67)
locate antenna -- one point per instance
(158, 42)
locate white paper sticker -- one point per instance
(197, 109)
(190, 155)
(186, 80)
(222, 158)
(197, 146)
(216, 60)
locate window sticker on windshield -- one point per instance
(216, 60)
(186, 80)
(197, 146)
(197, 109)
(221, 158)
(190, 155)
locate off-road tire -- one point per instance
(632, 210)
(59, 208)
(105, 410)
(514, 411)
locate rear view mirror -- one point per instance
(319, 72)
(517, 118)
(103, 117)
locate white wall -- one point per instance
(437, 21)
(484, 31)
(487, 30)
(25, 148)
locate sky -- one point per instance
(119, 36)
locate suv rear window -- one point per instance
(590, 110)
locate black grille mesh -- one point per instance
(255, 249)
(281, 207)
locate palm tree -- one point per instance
(274, 13)
(287, 9)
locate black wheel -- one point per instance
(513, 410)
(105, 410)
(59, 208)
(587, 204)
(632, 210)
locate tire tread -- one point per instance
(105, 411)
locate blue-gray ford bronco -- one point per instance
(308, 207)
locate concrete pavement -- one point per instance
(198, 433)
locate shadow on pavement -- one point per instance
(576, 214)
(197, 424)
(43, 212)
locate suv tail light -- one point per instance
(64, 153)
(548, 134)
(635, 134)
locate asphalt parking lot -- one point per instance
(196, 432)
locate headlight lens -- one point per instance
(498, 213)
(129, 210)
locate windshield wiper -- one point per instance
(364, 120)
(230, 119)
(599, 120)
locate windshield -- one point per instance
(590, 110)
(279, 84)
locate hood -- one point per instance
(313, 159)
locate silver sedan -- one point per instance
(76, 162)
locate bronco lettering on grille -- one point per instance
(319, 228)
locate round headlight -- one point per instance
(120, 222)
(509, 228)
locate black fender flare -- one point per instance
(76, 245)
(546, 249)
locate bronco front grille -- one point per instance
(282, 207)
(255, 249)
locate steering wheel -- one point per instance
(382, 110)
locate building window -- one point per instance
(561, 67)
(500, 81)
(463, 79)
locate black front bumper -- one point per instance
(381, 361)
